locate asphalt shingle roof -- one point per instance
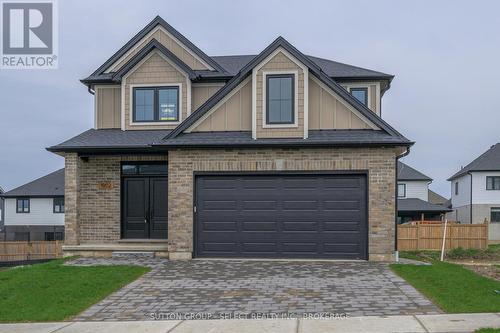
(418, 205)
(116, 139)
(49, 185)
(488, 161)
(406, 172)
(234, 63)
(436, 198)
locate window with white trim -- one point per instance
(155, 104)
(401, 190)
(280, 95)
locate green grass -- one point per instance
(52, 292)
(487, 330)
(491, 253)
(452, 287)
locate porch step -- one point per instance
(132, 254)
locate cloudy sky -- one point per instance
(445, 56)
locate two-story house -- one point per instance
(35, 211)
(2, 211)
(274, 155)
(475, 192)
(414, 197)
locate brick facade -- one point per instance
(93, 189)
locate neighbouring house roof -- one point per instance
(436, 198)
(227, 66)
(1, 190)
(47, 186)
(488, 161)
(406, 172)
(418, 205)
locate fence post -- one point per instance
(418, 235)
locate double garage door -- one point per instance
(281, 216)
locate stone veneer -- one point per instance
(93, 189)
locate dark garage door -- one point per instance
(281, 216)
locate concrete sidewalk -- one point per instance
(400, 324)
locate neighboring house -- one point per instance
(35, 211)
(274, 155)
(414, 202)
(2, 211)
(475, 191)
(438, 199)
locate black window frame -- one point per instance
(51, 236)
(270, 76)
(23, 206)
(404, 191)
(137, 171)
(54, 205)
(156, 107)
(491, 214)
(495, 180)
(456, 188)
(365, 89)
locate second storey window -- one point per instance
(280, 99)
(493, 183)
(361, 94)
(23, 205)
(456, 188)
(58, 205)
(156, 104)
(401, 190)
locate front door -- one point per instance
(145, 207)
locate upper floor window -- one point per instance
(493, 182)
(156, 104)
(23, 205)
(401, 190)
(280, 99)
(58, 205)
(456, 188)
(361, 94)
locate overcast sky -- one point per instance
(445, 55)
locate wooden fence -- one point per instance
(429, 236)
(24, 251)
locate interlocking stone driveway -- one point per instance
(217, 288)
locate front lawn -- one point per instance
(52, 292)
(452, 287)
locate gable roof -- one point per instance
(151, 46)
(50, 185)
(141, 34)
(234, 63)
(281, 42)
(406, 172)
(436, 198)
(488, 161)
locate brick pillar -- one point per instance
(72, 198)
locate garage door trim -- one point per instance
(197, 174)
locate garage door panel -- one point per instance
(284, 216)
(260, 226)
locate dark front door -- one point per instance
(281, 216)
(145, 207)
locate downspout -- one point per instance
(396, 253)
(470, 208)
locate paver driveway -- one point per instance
(217, 288)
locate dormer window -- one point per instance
(361, 94)
(280, 97)
(156, 104)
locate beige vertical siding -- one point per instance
(108, 107)
(201, 93)
(235, 114)
(280, 62)
(179, 50)
(372, 90)
(327, 112)
(155, 70)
